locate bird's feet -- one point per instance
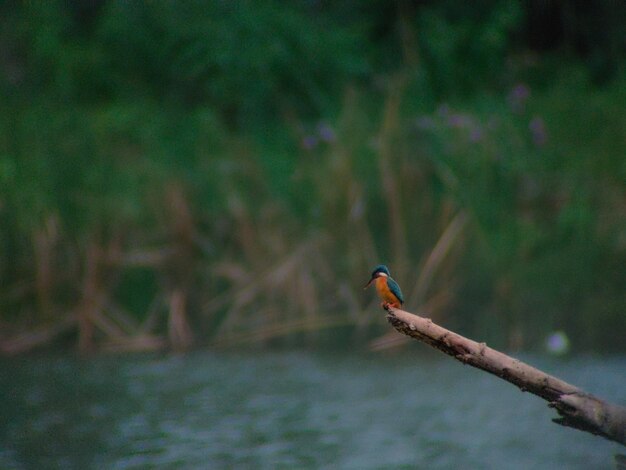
(389, 305)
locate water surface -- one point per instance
(291, 410)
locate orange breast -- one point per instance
(383, 290)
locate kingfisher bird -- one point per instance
(388, 289)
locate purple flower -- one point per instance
(476, 134)
(518, 96)
(425, 123)
(309, 142)
(538, 131)
(443, 110)
(325, 132)
(459, 121)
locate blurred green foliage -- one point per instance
(225, 139)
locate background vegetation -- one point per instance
(180, 173)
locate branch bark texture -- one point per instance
(577, 408)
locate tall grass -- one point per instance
(160, 186)
(488, 225)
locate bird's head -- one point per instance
(379, 271)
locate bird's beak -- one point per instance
(368, 284)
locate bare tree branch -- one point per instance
(577, 408)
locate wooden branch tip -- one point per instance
(577, 409)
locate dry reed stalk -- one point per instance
(389, 340)
(178, 272)
(181, 218)
(306, 296)
(365, 242)
(179, 332)
(92, 298)
(149, 258)
(41, 336)
(17, 291)
(105, 324)
(436, 257)
(91, 309)
(138, 343)
(266, 283)
(245, 231)
(152, 315)
(346, 294)
(391, 188)
(44, 242)
(126, 324)
(408, 35)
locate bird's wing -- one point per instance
(395, 289)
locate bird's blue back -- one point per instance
(395, 289)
